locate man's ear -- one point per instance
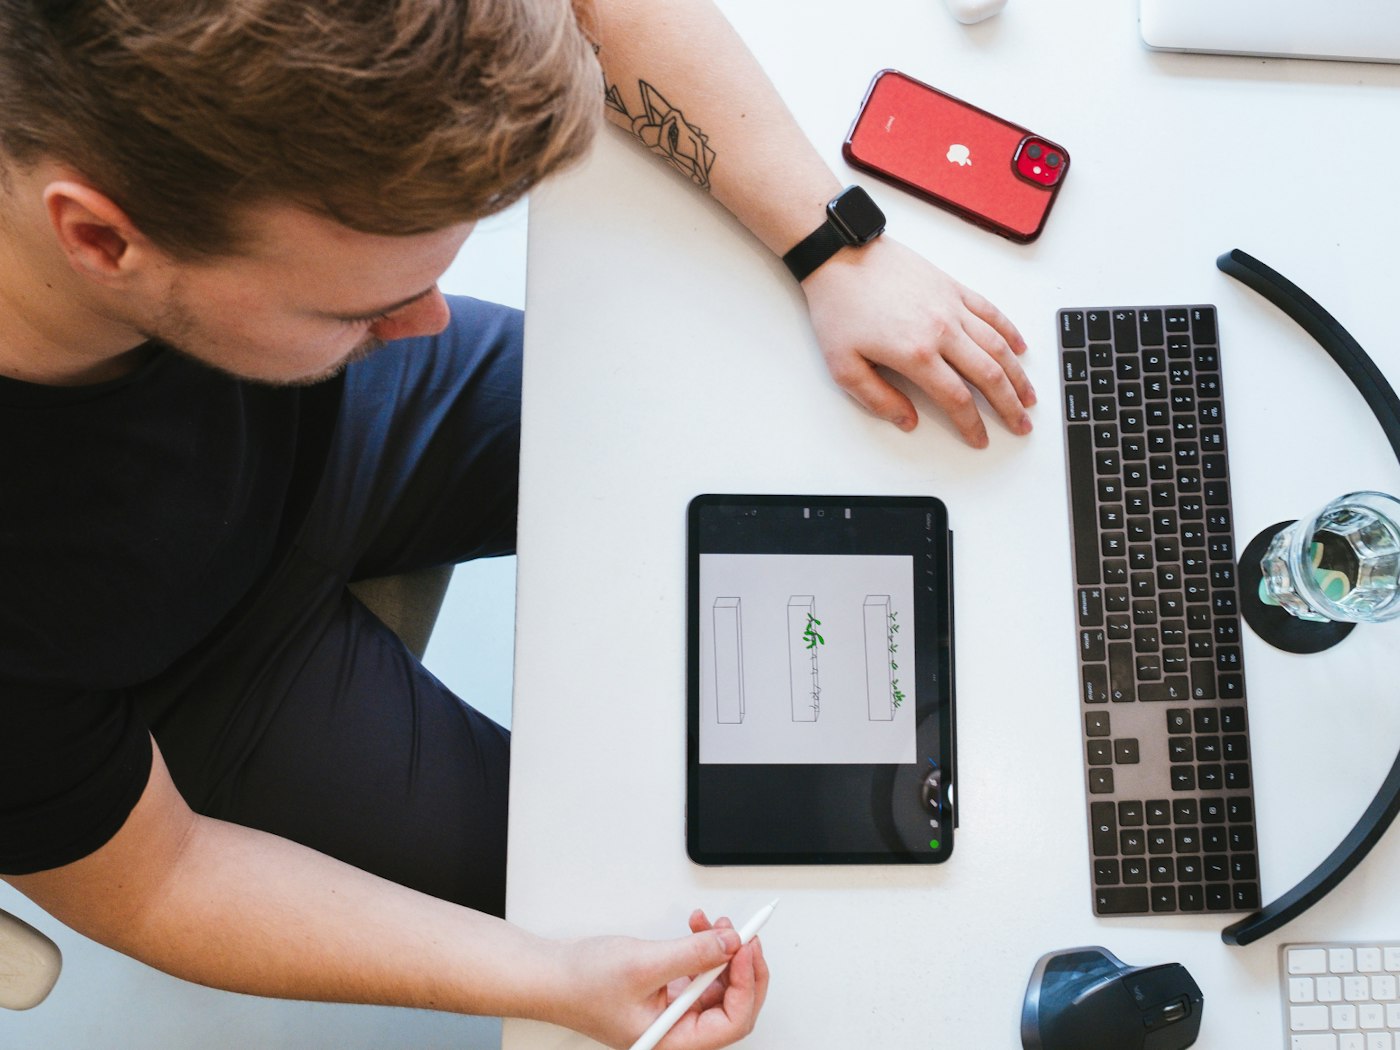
(98, 239)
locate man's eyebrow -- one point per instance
(370, 315)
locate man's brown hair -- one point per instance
(391, 116)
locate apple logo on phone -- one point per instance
(959, 155)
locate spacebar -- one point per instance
(1083, 506)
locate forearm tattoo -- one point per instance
(663, 129)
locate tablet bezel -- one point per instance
(736, 813)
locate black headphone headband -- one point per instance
(1367, 378)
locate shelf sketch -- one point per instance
(795, 662)
(729, 660)
(879, 665)
(803, 645)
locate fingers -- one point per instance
(995, 344)
(987, 311)
(729, 1009)
(714, 994)
(994, 372)
(972, 356)
(706, 947)
(949, 360)
(858, 377)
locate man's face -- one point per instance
(305, 297)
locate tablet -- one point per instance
(820, 680)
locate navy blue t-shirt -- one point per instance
(134, 515)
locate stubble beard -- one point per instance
(176, 329)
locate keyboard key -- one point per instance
(1106, 873)
(1368, 959)
(1312, 1018)
(1090, 607)
(1122, 687)
(1315, 1041)
(1202, 324)
(1104, 828)
(1072, 333)
(1094, 681)
(1307, 961)
(1241, 838)
(1237, 776)
(1123, 900)
(1150, 328)
(1246, 896)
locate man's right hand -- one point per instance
(617, 986)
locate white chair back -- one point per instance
(29, 964)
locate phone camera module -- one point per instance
(1039, 163)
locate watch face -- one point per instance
(857, 217)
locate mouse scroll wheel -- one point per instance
(1167, 1013)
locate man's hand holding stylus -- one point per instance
(884, 305)
(615, 987)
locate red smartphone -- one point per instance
(991, 172)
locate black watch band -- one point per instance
(852, 219)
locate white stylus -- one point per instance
(695, 988)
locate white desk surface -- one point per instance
(668, 354)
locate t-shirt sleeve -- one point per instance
(73, 765)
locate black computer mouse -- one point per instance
(1089, 999)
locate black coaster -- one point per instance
(1272, 623)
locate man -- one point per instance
(228, 385)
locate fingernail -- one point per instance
(1024, 426)
(904, 423)
(730, 940)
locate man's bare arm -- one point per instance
(678, 78)
(239, 909)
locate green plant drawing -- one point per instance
(813, 639)
(896, 697)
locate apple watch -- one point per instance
(852, 219)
